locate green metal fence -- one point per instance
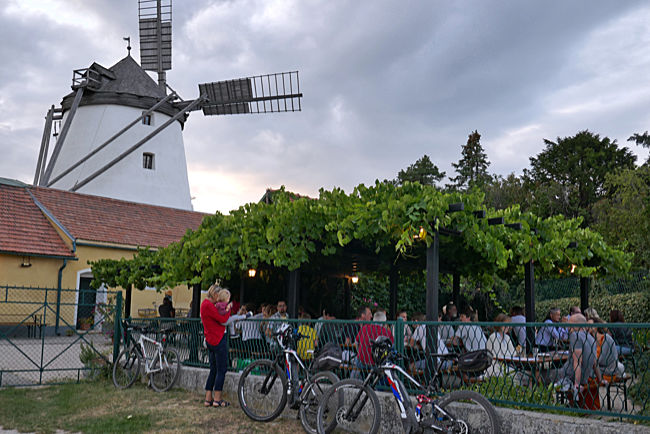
(51, 335)
(524, 375)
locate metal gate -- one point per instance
(50, 335)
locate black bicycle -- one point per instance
(266, 385)
(352, 405)
(162, 364)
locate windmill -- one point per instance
(119, 133)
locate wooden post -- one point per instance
(348, 299)
(196, 300)
(127, 302)
(585, 283)
(294, 283)
(529, 300)
(393, 279)
(433, 270)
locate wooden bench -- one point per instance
(31, 322)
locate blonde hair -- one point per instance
(214, 290)
(223, 295)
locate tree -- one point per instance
(502, 192)
(641, 140)
(422, 171)
(472, 168)
(577, 166)
(623, 216)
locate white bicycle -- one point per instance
(160, 363)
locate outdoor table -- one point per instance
(534, 363)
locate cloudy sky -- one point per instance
(384, 82)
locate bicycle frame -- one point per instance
(158, 354)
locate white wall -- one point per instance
(166, 185)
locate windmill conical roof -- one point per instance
(124, 83)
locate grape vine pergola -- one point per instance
(383, 227)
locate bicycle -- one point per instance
(162, 364)
(265, 385)
(353, 404)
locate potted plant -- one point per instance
(86, 323)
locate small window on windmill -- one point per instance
(147, 118)
(148, 160)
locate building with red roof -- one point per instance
(48, 236)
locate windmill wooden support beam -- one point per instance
(115, 136)
(45, 143)
(124, 154)
(64, 132)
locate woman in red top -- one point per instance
(217, 343)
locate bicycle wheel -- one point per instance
(311, 396)
(164, 379)
(262, 390)
(471, 413)
(349, 406)
(126, 368)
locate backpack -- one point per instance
(328, 357)
(474, 361)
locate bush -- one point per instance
(635, 305)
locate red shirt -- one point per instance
(213, 330)
(367, 334)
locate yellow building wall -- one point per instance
(43, 273)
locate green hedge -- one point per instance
(634, 305)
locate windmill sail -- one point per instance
(155, 34)
(269, 93)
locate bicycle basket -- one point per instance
(329, 357)
(474, 361)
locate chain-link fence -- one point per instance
(49, 335)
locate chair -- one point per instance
(619, 384)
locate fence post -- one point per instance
(117, 326)
(399, 336)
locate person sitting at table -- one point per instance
(606, 351)
(500, 345)
(472, 336)
(449, 313)
(418, 345)
(622, 335)
(591, 313)
(572, 311)
(581, 366)
(251, 336)
(364, 339)
(548, 337)
(350, 331)
(403, 316)
(519, 332)
(166, 309)
(307, 343)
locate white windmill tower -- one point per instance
(119, 134)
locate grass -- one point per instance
(98, 407)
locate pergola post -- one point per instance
(456, 289)
(196, 300)
(241, 290)
(292, 299)
(529, 300)
(127, 302)
(348, 298)
(585, 283)
(433, 270)
(393, 279)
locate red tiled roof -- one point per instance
(23, 227)
(102, 219)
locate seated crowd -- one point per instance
(588, 352)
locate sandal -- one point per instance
(221, 403)
(207, 403)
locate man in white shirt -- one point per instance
(472, 335)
